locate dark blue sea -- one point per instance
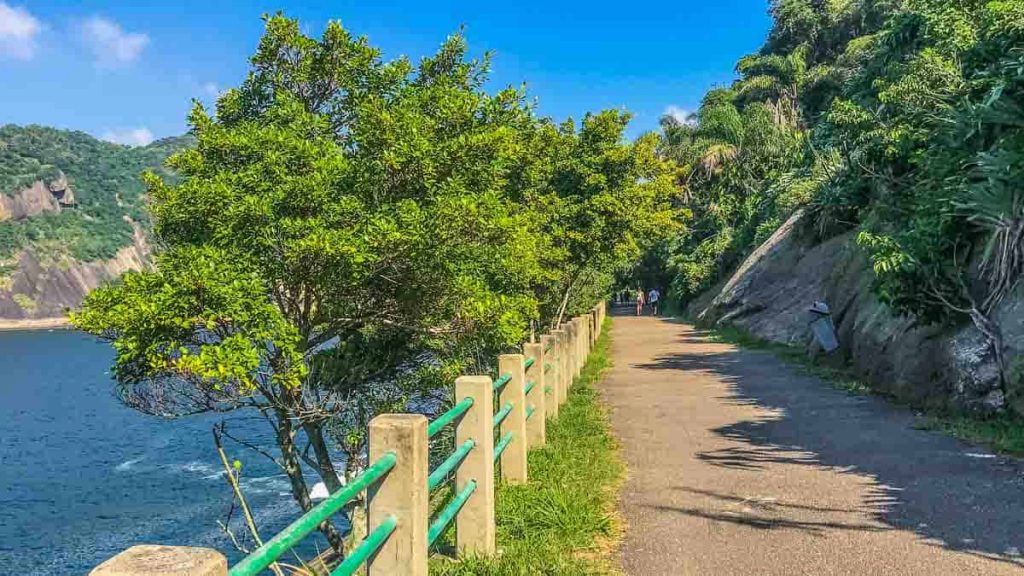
(82, 476)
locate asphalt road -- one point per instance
(740, 465)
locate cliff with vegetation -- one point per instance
(71, 217)
(887, 141)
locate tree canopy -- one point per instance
(349, 232)
(900, 120)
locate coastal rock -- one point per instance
(43, 289)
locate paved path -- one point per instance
(739, 465)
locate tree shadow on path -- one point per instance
(956, 495)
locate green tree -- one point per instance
(348, 235)
(343, 232)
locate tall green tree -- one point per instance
(350, 234)
(343, 229)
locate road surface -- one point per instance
(741, 465)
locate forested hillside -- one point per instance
(900, 121)
(69, 204)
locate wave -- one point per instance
(128, 464)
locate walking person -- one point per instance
(639, 301)
(652, 299)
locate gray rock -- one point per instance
(768, 296)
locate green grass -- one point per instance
(1002, 433)
(563, 520)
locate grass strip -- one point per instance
(563, 521)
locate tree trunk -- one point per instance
(565, 300)
(325, 465)
(995, 337)
(293, 468)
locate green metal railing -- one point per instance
(506, 439)
(501, 381)
(502, 414)
(449, 512)
(268, 553)
(448, 417)
(371, 544)
(450, 464)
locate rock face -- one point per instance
(33, 200)
(769, 294)
(61, 190)
(41, 289)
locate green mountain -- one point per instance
(71, 215)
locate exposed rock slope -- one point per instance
(770, 292)
(72, 215)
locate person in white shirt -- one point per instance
(652, 299)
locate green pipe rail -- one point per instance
(501, 381)
(448, 417)
(502, 414)
(506, 439)
(268, 553)
(401, 511)
(450, 464)
(371, 544)
(450, 511)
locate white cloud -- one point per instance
(18, 31)
(211, 89)
(681, 115)
(111, 44)
(129, 137)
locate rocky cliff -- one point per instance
(43, 288)
(72, 215)
(769, 294)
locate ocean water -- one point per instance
(83, 477)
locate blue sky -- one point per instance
(127, 71)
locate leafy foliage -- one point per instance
(901, 119)
(347, 235)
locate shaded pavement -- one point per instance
(739, 464)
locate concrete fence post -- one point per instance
(570, 358)
(588, 321)
(513, 459)
(536, 429)
(574, 351)
(401, 493)
(151, 560)
(474, 525)
(557, 381)
(581, 335)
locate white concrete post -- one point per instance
(536, 430)
(557, 380)
(152, 560)
(401, 493)
(513, 459)
(475, 523)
